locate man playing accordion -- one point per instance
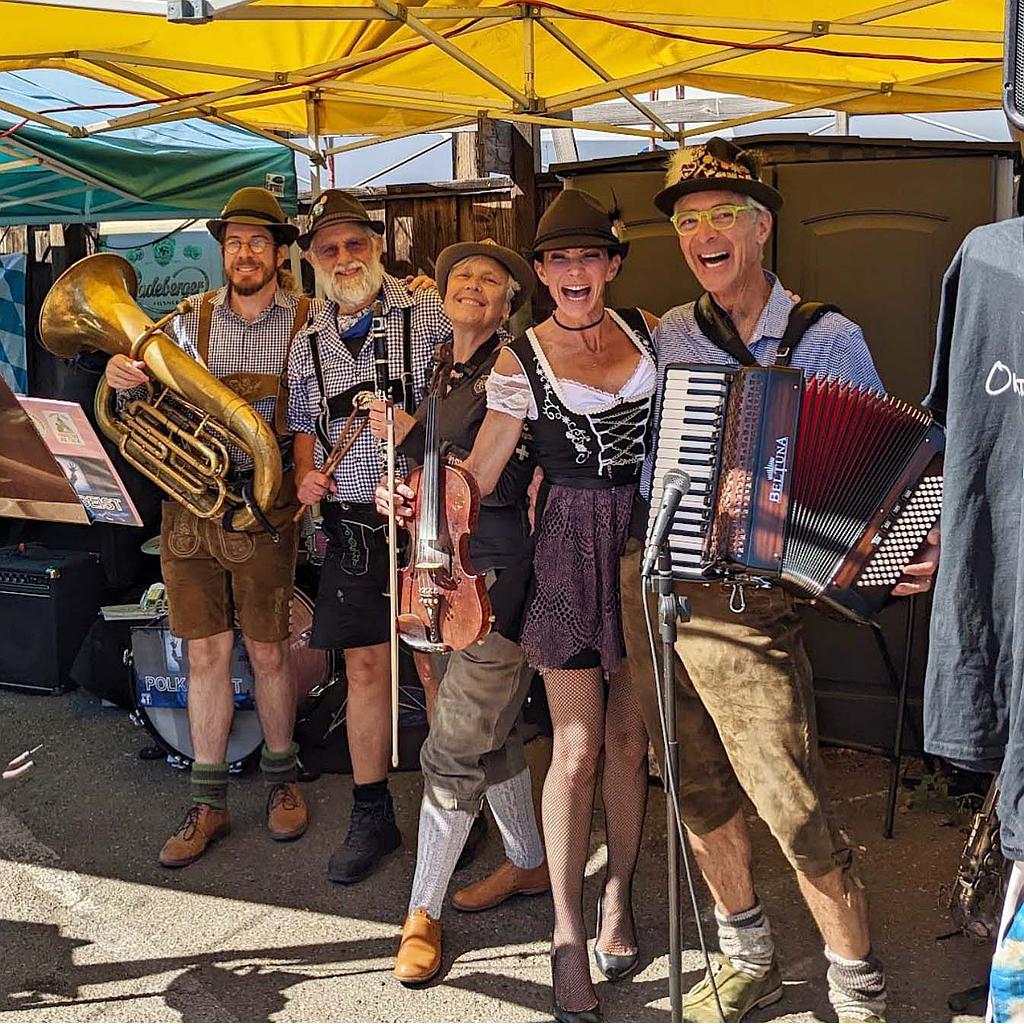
(743, 682)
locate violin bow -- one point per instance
(392, 578)
(383, 383)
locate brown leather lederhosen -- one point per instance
(254, 386)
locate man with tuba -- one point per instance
(331, 374)
(242, 333)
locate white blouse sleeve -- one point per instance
(511, 395)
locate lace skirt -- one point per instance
(574, 618)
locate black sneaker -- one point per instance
(474, 842)
(372, 835)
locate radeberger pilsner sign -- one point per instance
(170, 268)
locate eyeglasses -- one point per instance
(256, 246)
(721, 218)
(351, 247)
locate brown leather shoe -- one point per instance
(287, 813)
(505, 881)
(419, 953)
(201, 825)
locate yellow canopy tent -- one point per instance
(378, 68)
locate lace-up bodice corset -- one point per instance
(583, 433)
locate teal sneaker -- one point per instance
(738, 992)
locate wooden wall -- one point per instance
(422, 219)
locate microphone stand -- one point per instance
(671, 609)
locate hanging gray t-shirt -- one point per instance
(972, 687)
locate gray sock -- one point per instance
(746, 939)
(442, 836)
(511, 803)
(856, 988)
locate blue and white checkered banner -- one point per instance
(13, 350)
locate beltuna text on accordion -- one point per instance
(827, 487)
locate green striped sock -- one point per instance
(209, 784)
(280, 766)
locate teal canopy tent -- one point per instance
(181, 169)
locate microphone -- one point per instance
(676, 485)
(382, 372)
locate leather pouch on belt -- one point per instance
(179, 530)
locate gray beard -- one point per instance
(355, 293)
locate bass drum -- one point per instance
(160, 683)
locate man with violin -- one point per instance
(473, 748)
(331, 373)
(242, 333)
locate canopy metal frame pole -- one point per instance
(256, 89)
(446, 46)
(649, 78)
(581, 55)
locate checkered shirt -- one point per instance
(360, 471)
(833, 347)
(238, 346)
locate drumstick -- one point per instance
(348, 437)
(393, 580)
(20, 764)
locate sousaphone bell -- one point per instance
(180, 431)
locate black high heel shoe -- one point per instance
(614, 966)
(570, 1016)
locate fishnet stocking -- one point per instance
(576, 702)
(624, 793)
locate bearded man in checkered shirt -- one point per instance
(331, 363)
(242, 333)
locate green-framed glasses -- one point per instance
(721, 218)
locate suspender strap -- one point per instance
(205, 320)
(802, 317)
(323, 421)
(407, 391)
(716, 325)
(281, 406)
(301, 316)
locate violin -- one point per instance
(443, 605)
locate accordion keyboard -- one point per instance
(692, 416)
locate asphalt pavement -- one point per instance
(93, 929)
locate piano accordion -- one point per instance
(825, 487)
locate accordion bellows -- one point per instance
(825, 486)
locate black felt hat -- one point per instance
(257, 207)
(717, 166)
(577, 220)
(337, 207)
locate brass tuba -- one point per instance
(180, 432)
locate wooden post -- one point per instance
(466, 155)
(525, 165)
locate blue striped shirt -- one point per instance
(833, 347)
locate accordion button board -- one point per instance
(828, 487)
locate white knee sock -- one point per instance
(856, 988)
(746, 939)
(442, 835)
(511, 803)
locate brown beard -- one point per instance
(253, 286)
